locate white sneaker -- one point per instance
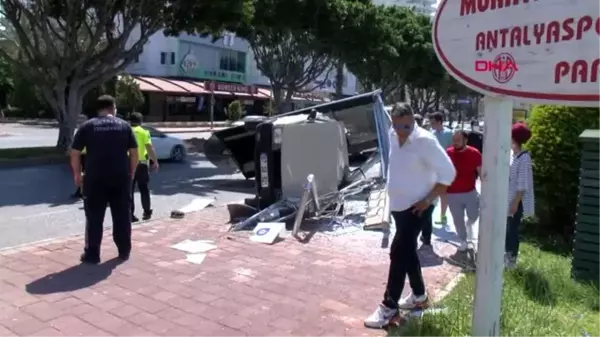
(463, 246)
(381, 317)
(413, 302)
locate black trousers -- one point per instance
(404, 259)
(117, 195)
(512, 232)
(427, 227)
(141, 179)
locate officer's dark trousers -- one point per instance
(115, 193)
(141, 180)
(404, 259)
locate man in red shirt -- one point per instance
(462, 194)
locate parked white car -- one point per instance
(167, 147)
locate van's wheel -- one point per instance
(178, 153)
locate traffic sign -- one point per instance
(530, 51)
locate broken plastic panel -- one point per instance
(281, 211)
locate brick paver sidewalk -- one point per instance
(323, 287)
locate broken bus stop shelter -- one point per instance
(365, 124)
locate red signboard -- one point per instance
(231, 87)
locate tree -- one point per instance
(128, 93)
(235, 111)
(285, 48)
(6, 81)
(386, 47)
(291, 61)
(288, 39)
(73, 46)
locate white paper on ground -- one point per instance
(195, 258)
(268, 232)
(197, 205)
(195, 247)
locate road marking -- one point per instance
(40, 214)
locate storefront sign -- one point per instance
(532, 51)
(189, 63)
(181, 99)
(231, 87)
(193, 65)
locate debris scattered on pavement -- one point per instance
(195, 247)
(195, 258)
(197, 204)
(239, 211)
(268, 232)
(281, 211)
(360, 205)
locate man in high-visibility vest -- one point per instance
(142, 174)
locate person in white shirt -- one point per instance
(419, 172)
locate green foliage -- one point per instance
(6, 80)
(26, 100)
(235, 111)
(384, 46)
(539, 298)
(555, 150)
(207, 16)
(128, 93)
(71, 47)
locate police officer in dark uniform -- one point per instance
(111, 160)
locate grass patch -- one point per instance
(30, 152)
(539, 299)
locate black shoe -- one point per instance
(89, 259)
(425, 242)
(76, 195)
(124, 256)
(147, 215)
(134, 218)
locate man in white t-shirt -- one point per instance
(419, 172)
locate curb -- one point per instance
(448, 288)
(134, 226)
(188, 130)
(186, 124)
(203, 124)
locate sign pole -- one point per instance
(494, 210)
(212, 109)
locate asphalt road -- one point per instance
(19, 135)
(35, 204)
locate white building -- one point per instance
(174, 72)
(426, 7)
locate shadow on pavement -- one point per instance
(74, 278)
(428, 257)
(53, 184)
(445, 234)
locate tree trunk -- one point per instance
(339, 80)
(67, 111)
(277, 98)
(288, 101)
